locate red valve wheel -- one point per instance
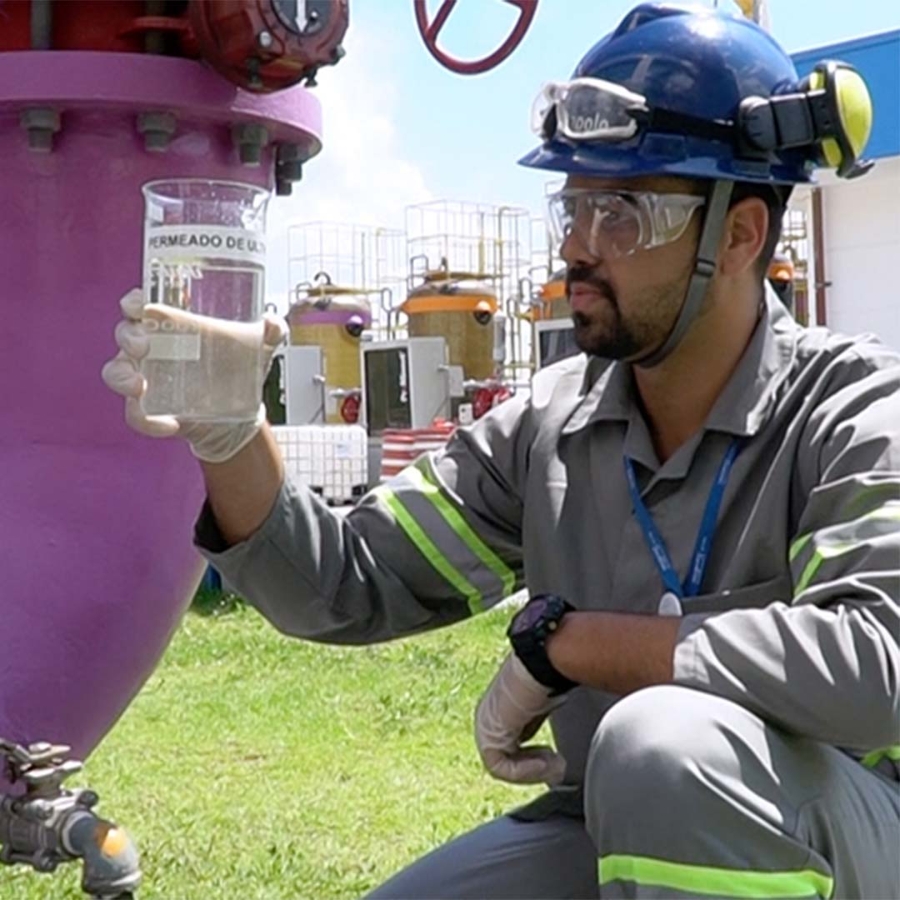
(430, 31)
(350, 409)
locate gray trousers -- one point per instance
(686, 795)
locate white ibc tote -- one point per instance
(331, 460)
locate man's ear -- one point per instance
(744, 236)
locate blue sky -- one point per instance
(400, 129)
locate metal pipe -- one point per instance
(481, 256)
(41, 25)
(154, 38)
(411, 275)
(819, 275)
(386, 301)
(525, 298)
(340, 393)
(362, 261)
(507, 288)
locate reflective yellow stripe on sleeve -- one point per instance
(820, 555)
(798, 545)
(876, 756)
(714, 882)
(463, 530)
(833, 541)
(429, 549)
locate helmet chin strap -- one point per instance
(704, 269)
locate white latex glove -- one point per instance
(213, 442)
(510, 713)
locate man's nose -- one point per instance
(575, 250)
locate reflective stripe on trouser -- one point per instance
(446, 540)
(690, 795)
(547, 860)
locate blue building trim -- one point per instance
(877, 58)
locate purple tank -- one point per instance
(95, 522)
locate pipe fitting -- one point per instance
(111, 866)
(289, 159)
(249, 139)
(157, 129)
(41, 123)
(49, 825)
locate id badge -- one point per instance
(669, 605)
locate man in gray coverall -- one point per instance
(704, 506)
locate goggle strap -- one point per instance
(704, 269)
(551, 122)
(668, 120)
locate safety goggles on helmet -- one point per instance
(828, 116)
(586, 109)
(618, 223)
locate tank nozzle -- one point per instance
(49, 824)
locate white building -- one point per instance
(849, 231)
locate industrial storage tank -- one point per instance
(97, 100)
(553, 303)
(333, 318)
(460, 309)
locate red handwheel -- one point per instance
(350, 409)
(430, 31)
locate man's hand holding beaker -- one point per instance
(230, 354)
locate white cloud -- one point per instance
(361, 176)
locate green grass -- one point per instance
(257, 767)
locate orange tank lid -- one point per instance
(450, 296)
(555, 287)
(781, 268)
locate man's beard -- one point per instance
(610, 338)
(606, 333)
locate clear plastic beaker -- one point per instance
(204, 287)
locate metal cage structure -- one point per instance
(795, 243)
(477, 242)
(361, 259)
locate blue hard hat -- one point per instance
(694, 61)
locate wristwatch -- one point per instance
(528, 633)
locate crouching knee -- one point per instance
(654, 761)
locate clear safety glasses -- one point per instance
(587, 109)
(618, 223)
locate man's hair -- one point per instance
(776, 197)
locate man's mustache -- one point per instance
(586, 275)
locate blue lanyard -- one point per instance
(703, 546)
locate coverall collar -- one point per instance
(746, 402)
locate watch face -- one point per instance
(531, 613)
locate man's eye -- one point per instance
(612, 219)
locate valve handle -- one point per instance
(431, 30)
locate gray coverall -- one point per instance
(771, 766)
